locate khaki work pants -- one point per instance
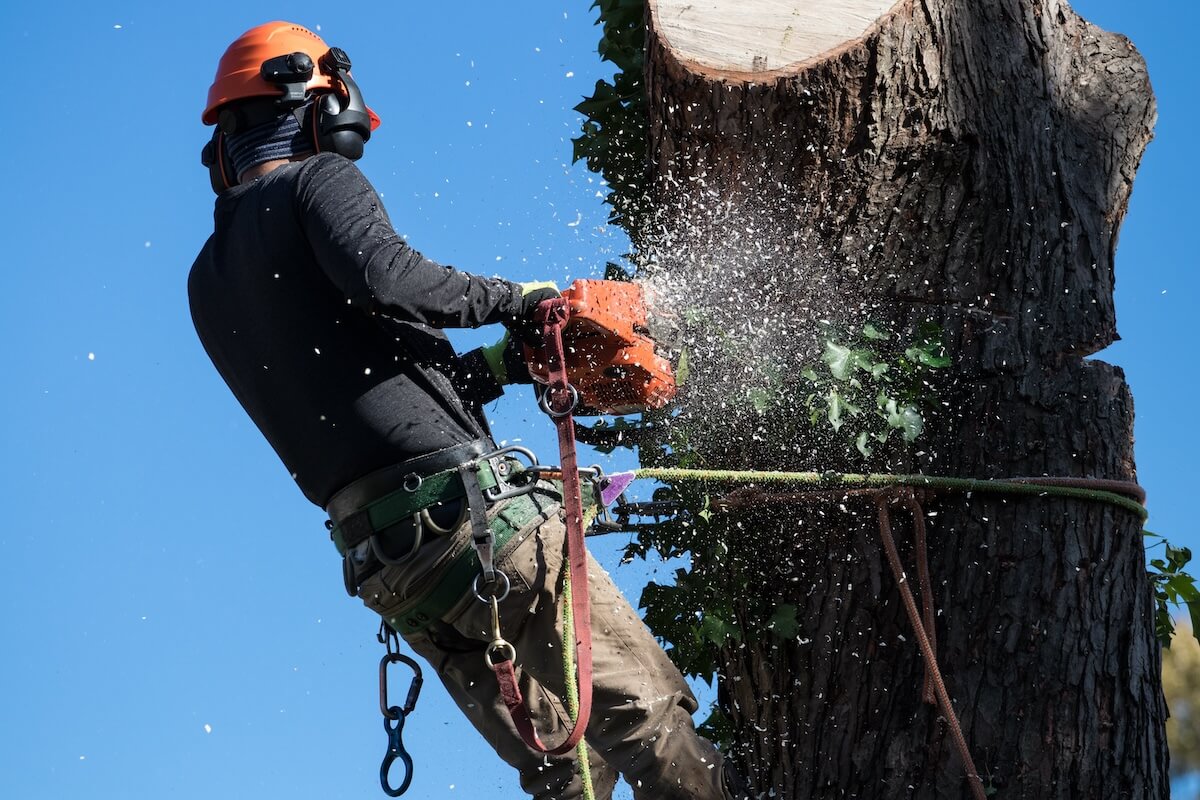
(641, 725)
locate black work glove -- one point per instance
(506, 361)
(522, 324)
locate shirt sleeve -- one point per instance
(357, 247)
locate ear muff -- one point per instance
(216, 159)
(343, 122)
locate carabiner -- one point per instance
(414, 688)
(396, 714)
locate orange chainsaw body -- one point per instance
(611, 359)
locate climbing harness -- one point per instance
(394, 716)
(384, 517)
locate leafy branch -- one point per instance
(1172, 586)
(614, 137)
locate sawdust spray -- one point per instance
(742, 297)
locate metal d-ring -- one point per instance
(418, 535)
(412, 482)
(500, 576)
(544, 402)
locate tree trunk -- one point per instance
(955, 161)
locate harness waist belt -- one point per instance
(375, 485)
(383, 498)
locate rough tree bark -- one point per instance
(965, 162)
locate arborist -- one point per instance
(327, 327)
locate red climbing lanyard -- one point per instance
(559, 402)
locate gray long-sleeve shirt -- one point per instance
(324, 323)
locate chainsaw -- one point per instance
(611, 360)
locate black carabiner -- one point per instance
(396, 714)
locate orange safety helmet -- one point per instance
(239, 73)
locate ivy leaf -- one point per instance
(835, 405)
(615, 272)
(905, 419)
(683, 370)
(838, 359)
(760, 399)
(1178, 556)
(871, 332)
(714, 629)
(1183, 588)
(604, 95)
(863, 359)
(861, 444)
(784, 622)
(929, 354)
(911, 423)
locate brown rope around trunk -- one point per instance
(924, 629)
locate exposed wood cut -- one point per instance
(755, 36)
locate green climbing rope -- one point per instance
(845, 480)
(572, 687)
(568, 649)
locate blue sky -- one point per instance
(174, 622)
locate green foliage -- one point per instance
(616, 272)
(614, 137)
(1173, 586)
(695, 617)
(683, 368)
(718, 728)
(871, 386)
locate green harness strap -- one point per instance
(456, 582)
(403, 503)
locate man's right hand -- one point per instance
(523, 325)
